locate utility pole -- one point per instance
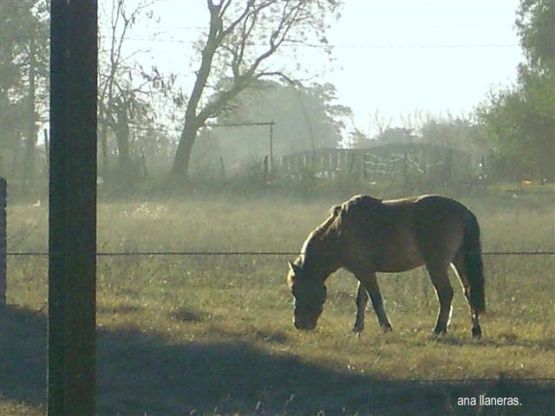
(72, 209)
(3, 240)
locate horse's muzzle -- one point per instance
(304, 326)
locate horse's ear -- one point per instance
(294, 268)
(335, 210)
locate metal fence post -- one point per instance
(3, 240)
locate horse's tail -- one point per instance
(474, 268)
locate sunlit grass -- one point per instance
(203, 300)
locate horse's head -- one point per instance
(310, 294)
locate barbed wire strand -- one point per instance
(289, 253)
(245, 253)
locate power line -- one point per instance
(245, 124)
(137, 127)
(170, 29)
(351, 46)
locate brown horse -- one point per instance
(366, 235)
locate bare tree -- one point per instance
(381, 122)
(127, 92)
(114, 96)
(241, 39)
(23, 86)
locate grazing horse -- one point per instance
(365, 235)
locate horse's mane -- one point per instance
(361, 201)
(323, 229)
(336, 214)
(337, 211)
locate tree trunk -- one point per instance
(179, 174)
(122, 138)
(31, 140)
(124, 160)
(180, 170)
(104, 163)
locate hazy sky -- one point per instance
(394, 56)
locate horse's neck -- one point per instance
(323, 258)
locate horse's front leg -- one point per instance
(368, 285)
(361, 302)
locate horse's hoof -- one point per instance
(476, 332)
(387, 328)
(357, 329)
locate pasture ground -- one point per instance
(212, 335)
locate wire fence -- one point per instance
(244, 253)
(500, 381)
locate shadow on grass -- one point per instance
(22, 355)
(144, 373)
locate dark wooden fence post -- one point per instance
(72, 209)
(271, 164)
(3, 240)
(266, 169)
(222, 168)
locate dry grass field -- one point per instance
(212, 335)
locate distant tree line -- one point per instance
(24, 48)
(520, 120)
(139, 107)
(150, 128)
(306, 118)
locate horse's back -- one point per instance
(380, 235)
(439, 226)
(438, 211)
(404, 233)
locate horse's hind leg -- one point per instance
(368, 285)
(458, 264)
(444, 291)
